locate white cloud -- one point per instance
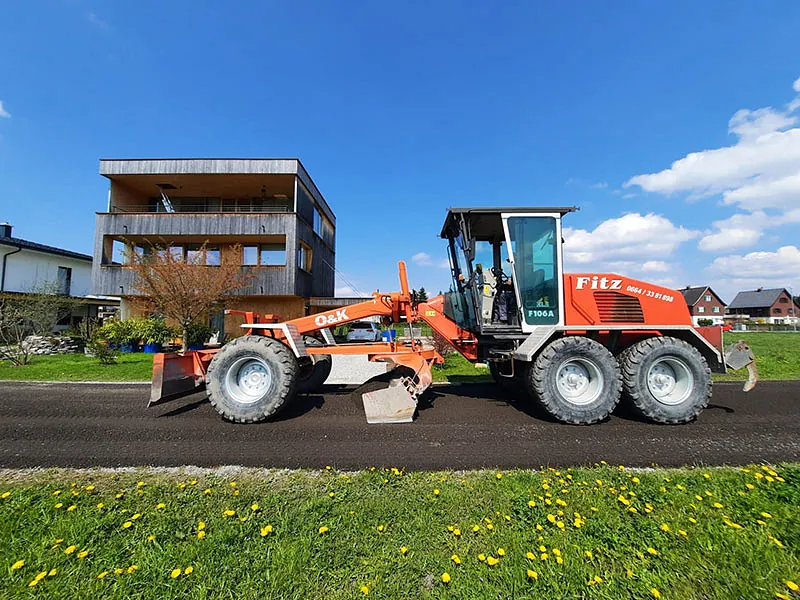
(761, 171)
(347, 291)
(3, 112)
(655, 266)
(633, 236)
(783, 264)
(739, 231)
(423, 259)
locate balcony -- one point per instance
(113, 280)
(157, 226)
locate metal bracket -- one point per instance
(293, 337)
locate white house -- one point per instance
(29, 266)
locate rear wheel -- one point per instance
(666, 380)
(312, 370)
(251, 378)
(576, 380)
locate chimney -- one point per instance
(5, 230)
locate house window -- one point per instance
(118, 251)
(715, 309)
(304, 257)
(784, 300)
(776, 311)
(701, 309)
(707, 298)
(272, 254)
(194, 255)
(265, 255)
(64, 280)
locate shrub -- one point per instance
(104, 354)
(155, 331)
(705, 322)
(199, 333)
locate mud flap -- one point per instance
(740, 355)
(174, 376)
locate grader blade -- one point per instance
(740, 355)
(398, 402)
(393, 404)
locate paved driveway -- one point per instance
(464, 426)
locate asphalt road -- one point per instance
(464, 426)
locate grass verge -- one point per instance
(583, 533)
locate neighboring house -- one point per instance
(27, 266)
(773, 306)
(267, 211)
(704, 303)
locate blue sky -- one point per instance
(674, 126)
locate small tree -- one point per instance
(422, 295)
(33, 313)
(185, 290)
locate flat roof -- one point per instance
(113, 167)
(485, 222)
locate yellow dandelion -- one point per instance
(501, 552)
(652, 551)
(499, 475)
(492, 561)
(201, 525)
(551, 518)
(481, 557)
(629, 573)
(207, 491)
(175, 573)
(718, 505)
(403, 550)
(364, 590)
(83, 554)
(381, 528)
(533, 574)
(560, 524)
(131, 569)
(792, 585)
(150, 538)
(682, 532)
(446, 578)
(588, 554)
(635, 480)
(126, 524)
(655, 593)
(456, 531)
(136, 516)
(692, 520)
(530, 556)
(18, 565)
(102, 575)
(228, 513)
(436, 492)
(119, 571)
(665, 527)
(59, 505)
(766, 515)
(52, 572)
(71, 508)
(265, 531)
(201, 534)
(323, 529)
(140, 484)
(544, 556)
(455, 558)
(489, 526)
(782, 596)
(188, 570)
(5, 495)
(70, 549)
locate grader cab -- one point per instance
(575, 343)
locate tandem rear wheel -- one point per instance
(252, 378)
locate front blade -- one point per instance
(174, 376)
(739, 355)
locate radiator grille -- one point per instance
(614, 307)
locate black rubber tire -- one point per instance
(541, 380)
(636, 362)
(313, 370)
(275, 355)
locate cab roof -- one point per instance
(485, 222)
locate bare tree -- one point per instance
(34, 313)
(184, 288)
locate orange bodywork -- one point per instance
(592, 299)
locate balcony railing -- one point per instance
(202, 208)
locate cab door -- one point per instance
(534, 248)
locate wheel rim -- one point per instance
(248, 380)
(670, 380)
(579, 381)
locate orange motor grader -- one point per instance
(578, 343)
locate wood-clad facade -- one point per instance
(267, 210)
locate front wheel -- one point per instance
(251, 378)
(576, 380)
(666, 380)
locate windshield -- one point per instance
(535, 252)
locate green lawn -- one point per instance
(777, 355)
(602, 533)
(77, 367)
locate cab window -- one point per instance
(534, 247)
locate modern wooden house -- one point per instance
(267, 210)
(704, 303)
